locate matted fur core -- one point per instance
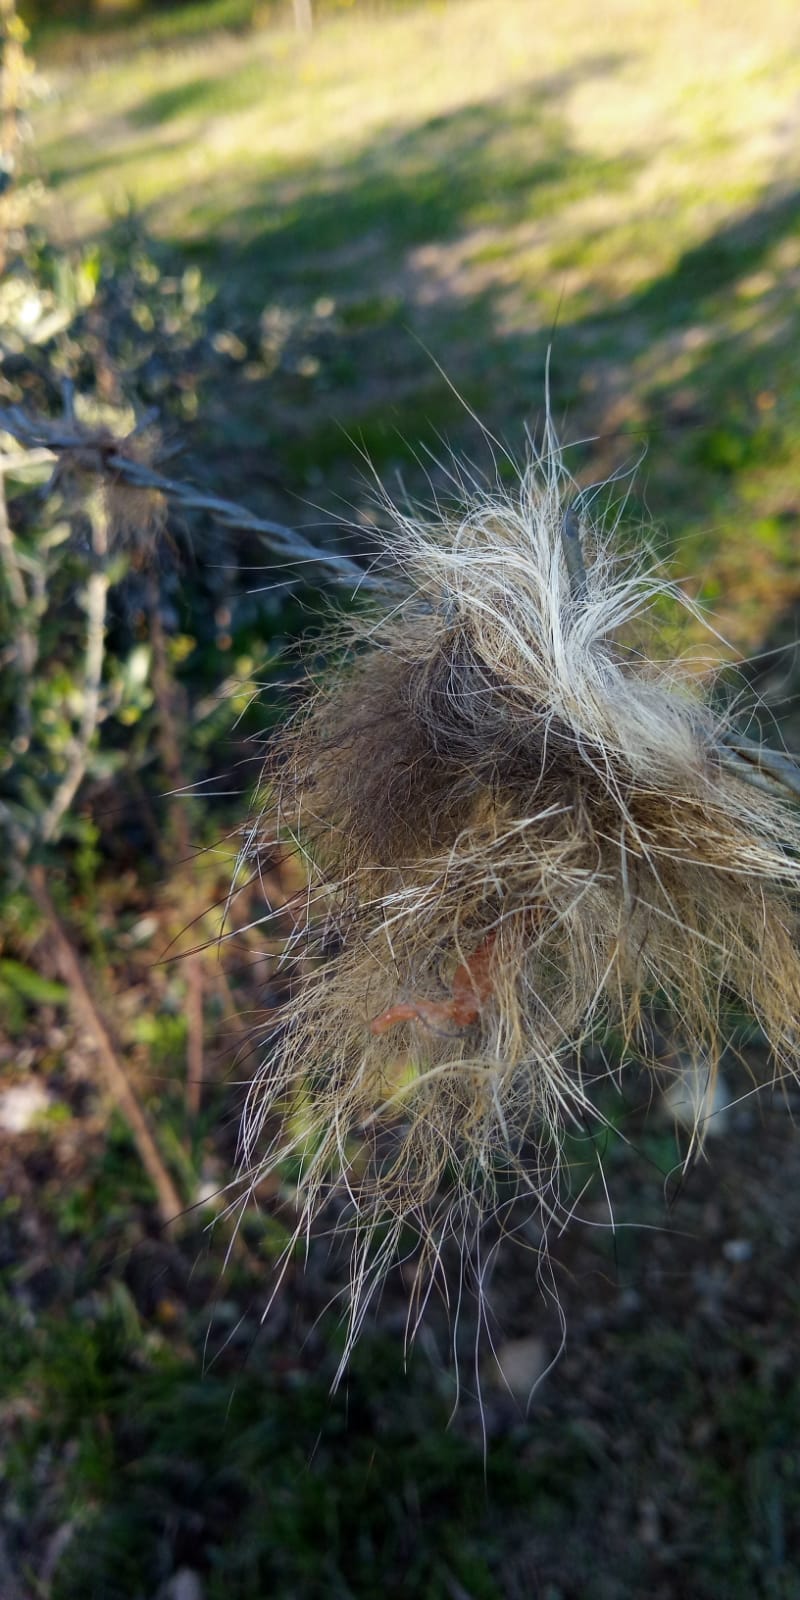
(518, 830)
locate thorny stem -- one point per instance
(106, 456)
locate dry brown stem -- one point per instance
(70, 966)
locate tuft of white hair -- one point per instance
(520, 828)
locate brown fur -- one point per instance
(493, 791)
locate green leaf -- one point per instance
(31, 985)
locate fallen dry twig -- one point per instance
(170, 1205)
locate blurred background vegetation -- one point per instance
(275, 252)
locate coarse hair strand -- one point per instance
(519, 829)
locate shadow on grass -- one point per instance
(374, 235)
(403, 240)
(209, 94)
(111, 32)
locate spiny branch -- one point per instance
(102, 453)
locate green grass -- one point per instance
(101, 31)
(475, 187)
(265, 1485)
(156, 1457)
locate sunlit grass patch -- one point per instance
(486, 186)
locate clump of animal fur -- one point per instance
(519, 831)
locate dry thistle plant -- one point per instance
(519, 831)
